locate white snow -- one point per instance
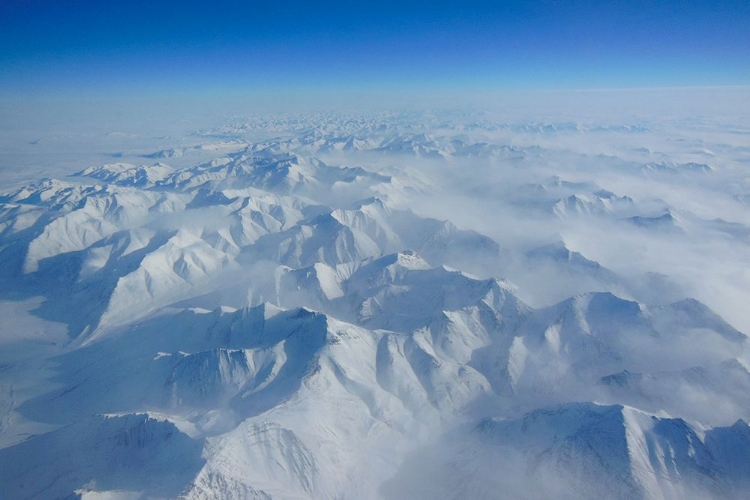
(313, 307)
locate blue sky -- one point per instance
(55, 47)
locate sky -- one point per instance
(138, 47)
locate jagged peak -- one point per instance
(406, 259)
(373, 201)
(107, 167)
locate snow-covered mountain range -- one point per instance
(361, 308)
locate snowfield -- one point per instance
(383, 306)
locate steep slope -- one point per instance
(581, 450)
(102, 453)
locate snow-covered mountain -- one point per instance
(581, 450)
(297, 317)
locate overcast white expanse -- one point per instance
(537, 295)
